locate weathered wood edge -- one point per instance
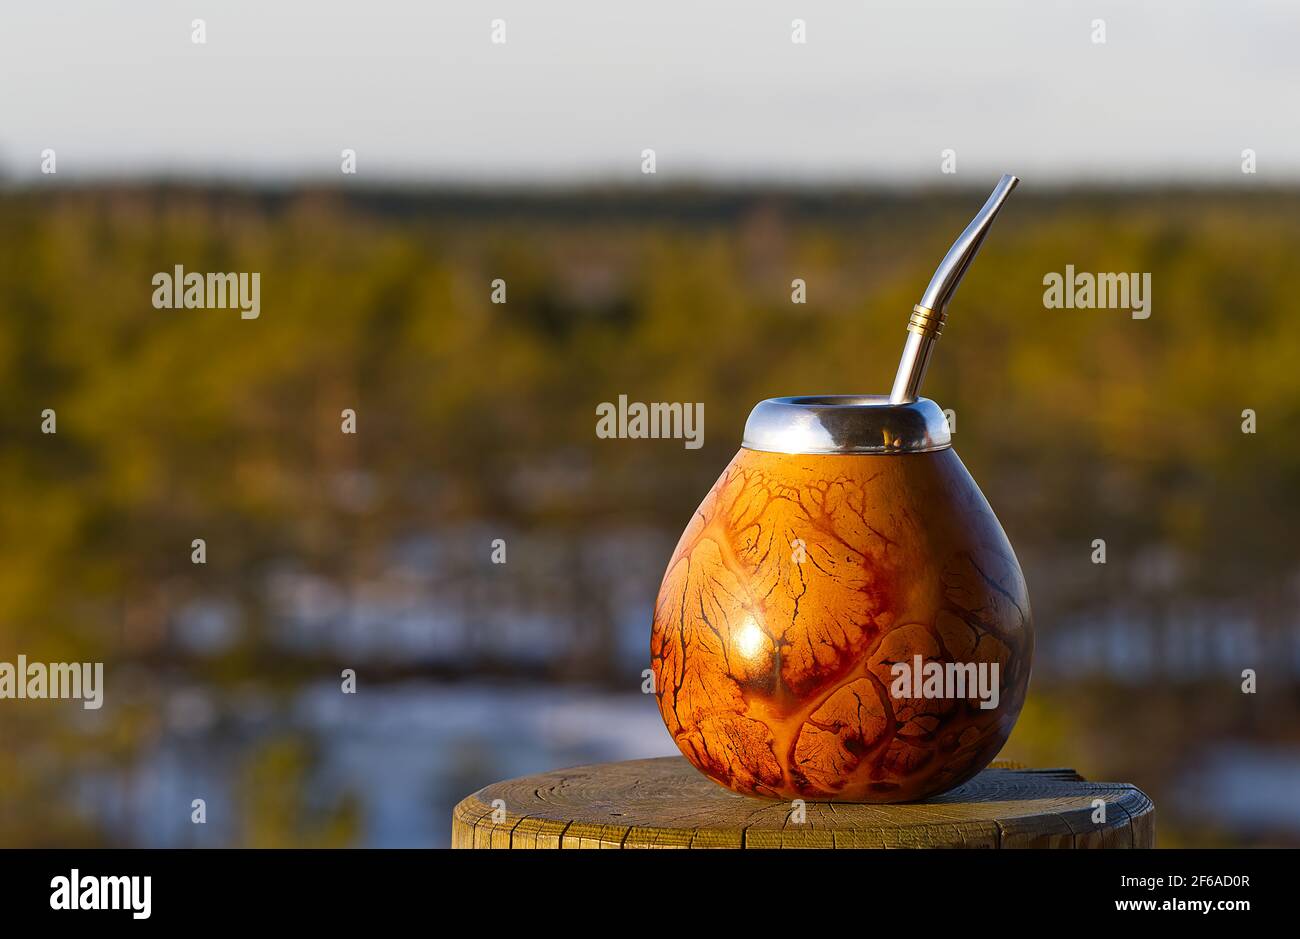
(1132, 827)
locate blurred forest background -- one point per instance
(476, 421)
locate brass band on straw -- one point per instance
(926, 322)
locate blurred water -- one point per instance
(384, 767)
(1246, 789)
(406, 754)
(1184, 642)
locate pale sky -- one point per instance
(716, 87)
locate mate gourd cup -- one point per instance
(843, 617)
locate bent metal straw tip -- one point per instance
(926, 323)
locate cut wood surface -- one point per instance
(667, 803)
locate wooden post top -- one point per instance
(667, 803)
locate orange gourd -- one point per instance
(843, 617)
(798, 586)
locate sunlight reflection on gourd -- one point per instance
(750, 640)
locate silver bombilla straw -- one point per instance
(928, 316)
